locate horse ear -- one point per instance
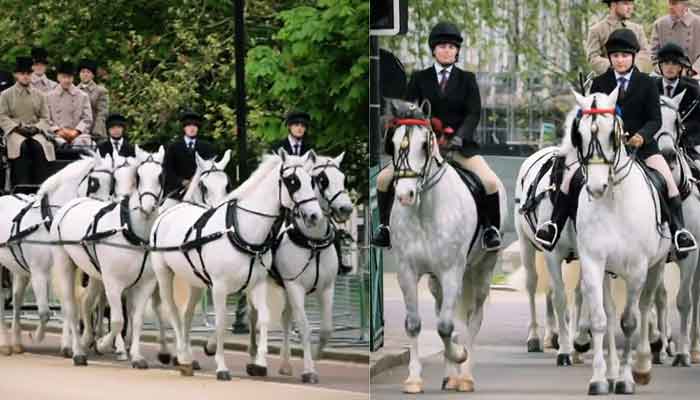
(160, 155)
(140, 154)
(311, 156)
(613, 95)
(678, 98)
(283, 154)
(198, 160)
(224, 160)
(580, 100)
(426, 107)
(339, 159)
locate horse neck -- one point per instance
(140, 221)
(263, 198)
(65, 192)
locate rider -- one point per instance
(638, 101)
(296, 142)
(117, 143)
(454, 97)
(673, 62)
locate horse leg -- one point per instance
(449, 283)
(87, 305)
(695, 319)
(192, 301)
(140, 294)
(450, 380)
(164, 355)
(408, 281)
(613, 362)
(296, 295)
(325, 299)
(40, 285)
(19, 285)
(551, 337)
(657, 329)
(257, 298)
(66, 273)
(252, 333)
(286, 351)
(527, 255)
(641, 370)
(582, 339)
(114, 292)
(5, 348)
(219, 295)
(559, 301)
(592, 288)
(165, 290)
(684, 304)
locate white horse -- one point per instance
(108, 240)
(228, 248)
(435, 231)
(667, 138)
(306, 262)
(534, 204)
(616, 201)
(26, 218)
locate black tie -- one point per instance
(669, 90)
(296, 149)
(190, 145)
(443, 80)
(116, 145)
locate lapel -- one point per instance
(632, 86)
(430, 76)
(453, 80)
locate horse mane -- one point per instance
(269, 162)
(73, 171)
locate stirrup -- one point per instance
(554, 239)
(684, 249)
(498, 236)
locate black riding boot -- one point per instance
(382, 238)
(683, 240)
(491, 239)
(548, 233)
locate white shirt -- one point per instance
(627, 76)
(189, 140)
(293, 142)
(666, 82)
(439, 68)
(117, 143)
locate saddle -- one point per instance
(475, 186)
(658, 183)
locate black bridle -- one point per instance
(213, 170)
(402, 165)
(157, 197)
(321, 180)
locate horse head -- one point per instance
(329, 182)
(596, 135)
(296, 190)
(413, 145)
(671, 127)
(210, 183)
(149, 178)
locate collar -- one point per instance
(189, 139)
(685, 19)
(613, 20)
(294, 141)
(666, 82)
(72, 90)
(87, 85)
(23, 89)
(627, 76)
(36, 77)
(438, 68)
(119, 141)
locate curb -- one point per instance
(384, 362)
(238, 345)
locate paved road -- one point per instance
(504, 369)
(43, 374)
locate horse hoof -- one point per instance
(642, 378)
(196, 366)
(80, 360)
(555, 341)
(164, 358)
(611, 385)
(656, 345)
(17, 348)
(413, 386)
(681, 360)
(207, 351)
(656, 358)
(66, 352)
(185, 369)
(450, 383)
(598, 388)
(576, 358)
(139, 364)
(286, 369)
(563, 360)
(223, 375)
(465, 385)
(121, 356)
(622, 387)
(309, 377)
(582, 348)
(255, 370)
(695, 357)
(534, 346)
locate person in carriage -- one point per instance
(638, 106)
(456, 109)
(24, 119)
(69, 110)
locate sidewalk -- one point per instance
(395, 350)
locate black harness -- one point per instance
(17, 235)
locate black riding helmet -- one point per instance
(445, 32)
(622, 40)
(608, 2)
(671, 52)
(115, 119)
(189, 117)
(298, 117)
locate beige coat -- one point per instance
(43, 83)
(99, 102)
(24, 106)
(685, 32)
(598, 35)
(69, 109)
